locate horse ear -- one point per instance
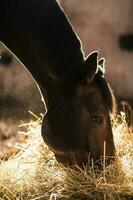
(101, 67)
(91, 65)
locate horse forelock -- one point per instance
(106, 92)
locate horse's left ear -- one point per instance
(101, 67)
(91, 65)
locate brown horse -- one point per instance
(79, 101)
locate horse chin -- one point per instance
(72, 160)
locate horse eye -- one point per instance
(97, 119)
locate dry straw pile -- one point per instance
(34, 173)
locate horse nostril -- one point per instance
(5, 58)
(126, 42)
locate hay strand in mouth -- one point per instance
(34, 173)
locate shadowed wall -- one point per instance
(100, 25)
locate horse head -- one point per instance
(79, 101)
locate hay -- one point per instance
(34, 173)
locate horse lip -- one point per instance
(71, 158)
(56, 151)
